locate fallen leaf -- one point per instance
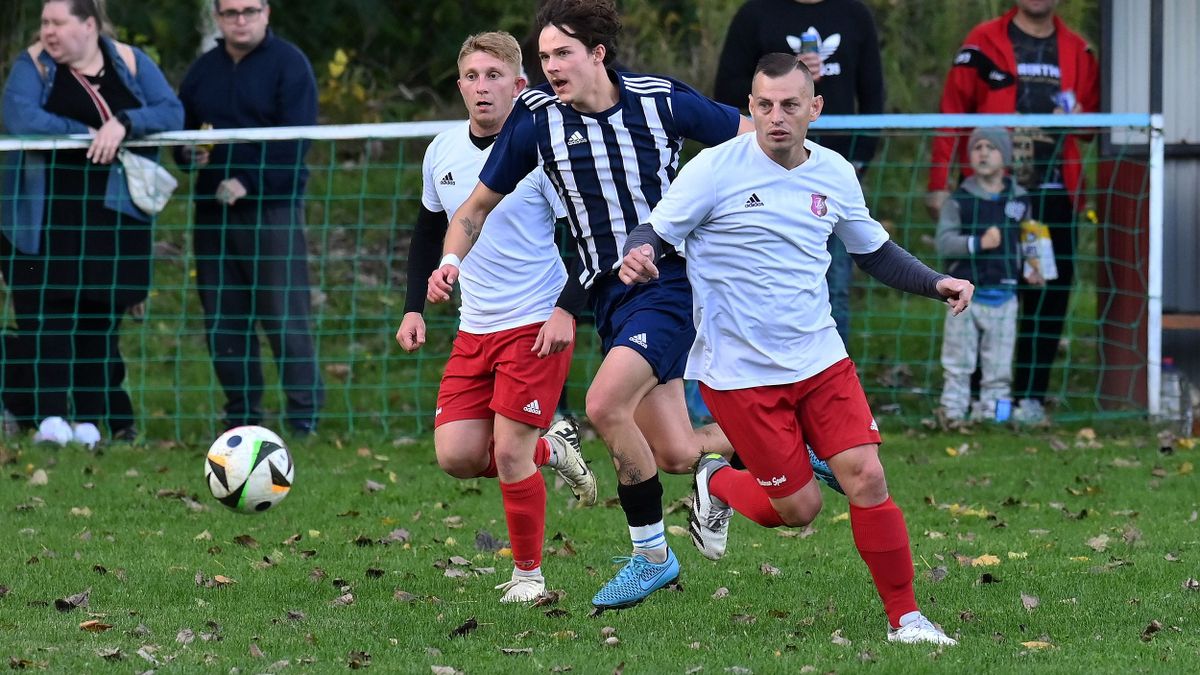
(94, 626)
(465, 629)
(611, 641)
(110, 654)
(557, 613)
(185, 636)
(460, 561)
(203, 536)
(513, 651)
(937, 574)
(343, 600)
(374, 573)
(1191, 585)
(1170, 557)
(453, 522)
(82, 512)
(372, 486)
(39, 477)
(837, 639)
(1030, 602)
(1037, 644)
(1098, 543)
(1149, 631)
(255, 652)
(403, 596)
(721, 592)
(738, 670)
(989, 578)
(245, 540)
(548, 598)
(295, 615)
(356, 660)
(222, 581)
(486, 542)
(69, 603)
(443, 670)
(769, 570)
(985, 560)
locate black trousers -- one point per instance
(252, 268)
(1044, 309)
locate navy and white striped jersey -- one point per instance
(610, 168)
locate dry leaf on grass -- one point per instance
(769, 570)
(1037, 644)
(185, 637)
(465, 629)
(1098, 543)
(1149, 631)
(94, 626)
(245, 540)
(343, 600)
(985, 560)
(371, 486)
(837, 639)
(444, 670)
(721, 592)
(69, 603)
(39, 477)
(515, 651)
(1030, 602)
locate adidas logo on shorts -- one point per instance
(753, 201)
(640, 340)
(448, 179)
(576, 138)
(533, 408)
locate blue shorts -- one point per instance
(653, 319)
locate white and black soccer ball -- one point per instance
(249, 469)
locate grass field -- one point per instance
(1047, 551)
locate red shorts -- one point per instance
(497, 374)
(769, 426)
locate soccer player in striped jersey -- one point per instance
(755, 214)
(610, 143)
(513, 349)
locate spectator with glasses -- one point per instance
(251, 254)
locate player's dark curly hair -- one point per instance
(592, 22)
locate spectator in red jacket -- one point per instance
(1027, 61)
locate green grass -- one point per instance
(1031, 500)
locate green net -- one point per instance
(361, 202)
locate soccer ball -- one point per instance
(249, 469)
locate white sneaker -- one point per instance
(708, 519)
(919, 630)
(87, 434)
(522, 588)
(54, 430)
(568, 460)
(1029, 411)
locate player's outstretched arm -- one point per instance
(424, 250)
(465, 227)
(957, 293)
(897, 268)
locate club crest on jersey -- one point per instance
(819, 208)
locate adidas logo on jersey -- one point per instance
(576, 138)
(448, 179)
(754, 201)
(533, 408)
(640, 340)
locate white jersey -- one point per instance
(513, 275)
(756, 237)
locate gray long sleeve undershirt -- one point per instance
(895, 267)
(890, 264)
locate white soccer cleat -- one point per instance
(54, 430)
(522, 588)
(568, 460)
(85, 433)
(708, 519)
(920, 630)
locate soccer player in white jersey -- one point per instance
(610, 143)
(755, 214)
(513, 349)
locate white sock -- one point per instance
(909, 618)
(650, 541)
(535, 572)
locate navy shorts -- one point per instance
(653, 319)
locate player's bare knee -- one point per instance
(458, 464)
(798, 513)
(864, 482)
(676, 459)
(606, 412)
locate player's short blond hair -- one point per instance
(495, 43)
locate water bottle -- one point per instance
(1003, 409)
(810, 42)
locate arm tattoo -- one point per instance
(469, 227)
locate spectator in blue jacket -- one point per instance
(76, 252)
(251, 255)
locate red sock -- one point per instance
(882, 541)
(525, 511)
(490, 471)
(541, 452)
(742, 492)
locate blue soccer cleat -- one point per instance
(636, 581)
(822, 471)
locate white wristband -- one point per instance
(450, 259)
